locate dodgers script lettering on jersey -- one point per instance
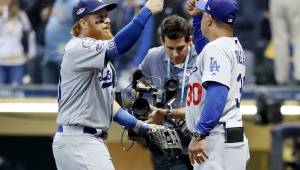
(105, 77)
(221, 61)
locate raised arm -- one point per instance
(198, 39)
(127, 36)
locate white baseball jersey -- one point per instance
(86, 88)
(222, 61)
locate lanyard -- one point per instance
(184, 73)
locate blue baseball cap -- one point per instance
(86, 7)
(222, 10)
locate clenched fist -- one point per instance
(191, 8)
(155, 6)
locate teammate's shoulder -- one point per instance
(78, 44)
(84, 42)
(213, 45)
(221, 43)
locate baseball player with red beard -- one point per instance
(86, 86)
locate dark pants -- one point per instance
(51, 72)
(11, 74)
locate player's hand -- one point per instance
(155, 6)
(191, 8)
(196, 151)
(157, 115)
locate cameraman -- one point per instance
(174, 59)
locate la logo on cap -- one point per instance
(230, 20)
(101, 1)
(80, 11)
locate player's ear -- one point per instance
(210, 20)
(83, 23)
(190, 40)
(161, 41)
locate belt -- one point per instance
(87, 130)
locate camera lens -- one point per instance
(140, 107)
(171, 84)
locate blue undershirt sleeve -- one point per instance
(127, 36)
(199, 40)
(214, 104)
(127, 120)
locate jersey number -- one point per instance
(240, 79)
(194, 94)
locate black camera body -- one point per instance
(161, 98)
(165, 97)
(144, 94)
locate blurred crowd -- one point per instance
(33, 34)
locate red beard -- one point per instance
(105, 34)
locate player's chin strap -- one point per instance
(184, 72)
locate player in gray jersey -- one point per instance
(86, 86)
(214, 92)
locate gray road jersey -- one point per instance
(86, 88)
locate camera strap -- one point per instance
(184, 72)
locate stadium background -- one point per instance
(28, 109)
